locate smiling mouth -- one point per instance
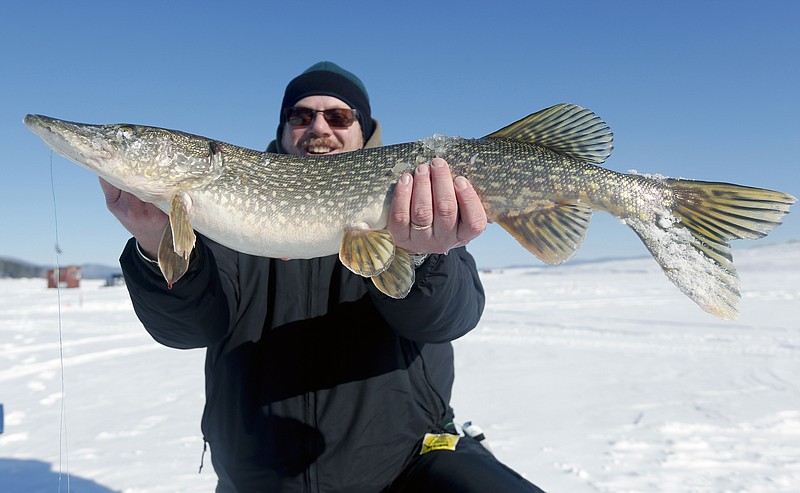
(320, 149)
(319, 146)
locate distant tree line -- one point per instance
(15, 269)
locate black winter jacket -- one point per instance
(315, 381)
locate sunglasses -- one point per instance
(336, 117)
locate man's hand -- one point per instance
(144, 221)
(432, 213)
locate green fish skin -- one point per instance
(539, 178)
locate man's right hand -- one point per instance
(144, 221)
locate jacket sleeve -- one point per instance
(446, 301)
(196, 312)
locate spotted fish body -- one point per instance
(538, 178)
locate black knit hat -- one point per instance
(329, 79)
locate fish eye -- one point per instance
(125, 131)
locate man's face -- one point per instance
(318, 137)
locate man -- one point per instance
(316, 381)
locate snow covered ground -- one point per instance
(587, 377)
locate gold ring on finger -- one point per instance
(417, 227)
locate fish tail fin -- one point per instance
(692, 246)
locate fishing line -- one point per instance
(63, 445)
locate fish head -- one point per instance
(150, 162)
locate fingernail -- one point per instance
(422, 169)
(461, 182)
(405, 178)
(437, 163)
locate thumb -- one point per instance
(111, 192)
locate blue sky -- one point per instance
(705, 90)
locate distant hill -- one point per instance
(16, 269)
(97, 271)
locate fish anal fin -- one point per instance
(552, 232)
(566, 129)
(397, 280)
(367, 252)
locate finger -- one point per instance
(445, 204)
(473, 217)
(400, 217)
(422, 200)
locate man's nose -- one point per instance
(319, 124)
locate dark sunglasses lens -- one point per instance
(299, 117)
(336, 117)
(339, 117)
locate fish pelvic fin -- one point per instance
(367, 252)
(177, 242)
(692, 247)
(553, 232)
(397, 280)
(372, 253)
(567, 129)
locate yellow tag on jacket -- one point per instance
(444, 441)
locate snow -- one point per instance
(586, 377)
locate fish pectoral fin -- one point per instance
(397, 280)
(177, 242)
(367, 252)
(183, 236)
(216, 159)
(566, 129)
(553, 232)
(173, 265)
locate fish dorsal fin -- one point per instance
(367, 252)
(553, 233)
(397, 280)
(566, 129)
(177, 241)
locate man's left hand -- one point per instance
(433, 213)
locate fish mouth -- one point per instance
(44, 127)
(37, 124)
(67, 139)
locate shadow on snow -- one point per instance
(35, 476)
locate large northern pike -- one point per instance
(535, 178)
